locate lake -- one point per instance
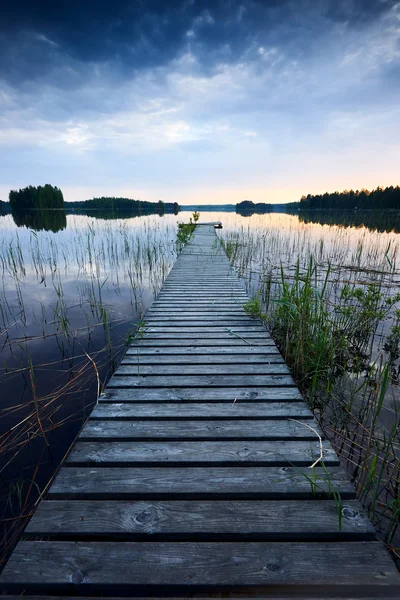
(75, 290)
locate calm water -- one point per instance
(73, 290)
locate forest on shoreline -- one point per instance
(50, 197)
(378, 199)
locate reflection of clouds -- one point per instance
(117, 263)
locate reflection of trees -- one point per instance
(381, 221)
(120, 214)
(4, 208)
(40, 220)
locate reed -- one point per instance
(69, 301)
(332, 305)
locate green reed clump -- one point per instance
(331, 327)
(302, 325)
(185, 231)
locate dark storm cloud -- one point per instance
(38, 36)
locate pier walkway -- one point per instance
(192, 475)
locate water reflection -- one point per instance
(384, 221)
(69, 300)
(41, 220)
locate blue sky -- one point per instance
(191, 101)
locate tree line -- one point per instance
(135, 207)
(378, 199)
(34, 198)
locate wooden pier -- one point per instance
(192, 475)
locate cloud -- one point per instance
(245, 92)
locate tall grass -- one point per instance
(332, 305)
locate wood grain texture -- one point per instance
(215, 341)
(232, 381)
(181, 394)
(220, 483)
(276, 453)
(203, 359)
(214, 410)
(245, 335)
(198, 430)
(209, 349)
(266, 368)
(208, 564)
(272, 520)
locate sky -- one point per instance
(199, 101)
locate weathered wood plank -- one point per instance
(210, 349)
(229, 311)
(249, 410)
(200, 359)
(118, 429)
(196, 322)
(223, 319)
(231, 381)
(195, 483)
(207, 564)
(182, 394)
(253, 453)
(216, 285)
(207, 329)
(196, 302)
(271, 519)
(285, 596)
(240, 297)
(210, 335)
(228, 343)
(220, 370)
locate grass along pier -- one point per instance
(201, 469)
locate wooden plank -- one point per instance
(196, 322)
(193, 304)
(181, 394)
(223, 318)
(207, 329)
(210, 335)
(238, 293)
(138, 369)
(232, 597)
(201, 289)
(216, 279)
(272, 519)
(213, 482)
(206, 564)
(203, 359)
(119, 429)
(228, 343)
(210, 349)
(193, 301)
(222, 410)
(231, 381)
(179, 327)
(224, 284)
(229, 311)
(229, 453)
(238, 298)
